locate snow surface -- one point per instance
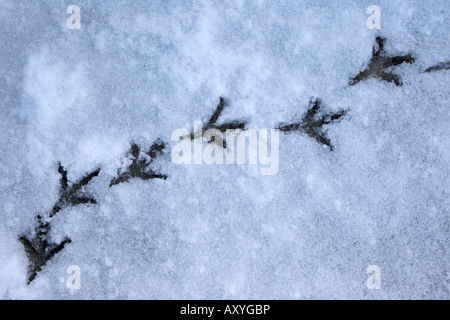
(138, 70)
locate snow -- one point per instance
(137, 71)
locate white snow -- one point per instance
(137, 71)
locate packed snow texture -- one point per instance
(138, 70)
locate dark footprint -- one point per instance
(139, 167)
(211, 124)
(440, 66)
(39, 248)
(379, 63)
(312, 123)
(73, 195)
